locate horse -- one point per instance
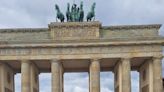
(68, 13)
(59, 15)
(81, 13)
(91, 14)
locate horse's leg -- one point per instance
(90, 19)
(94, 18)
(56, 19)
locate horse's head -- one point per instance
(81, 5)
(68, 6)
(56, 7)
(74, 5)
(93, 6)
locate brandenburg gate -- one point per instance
(82, 47)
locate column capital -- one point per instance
(24, 60)
(55, 60)
(95, 59)
(125, 58)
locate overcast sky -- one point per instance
(39, 13)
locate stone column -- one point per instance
(25, 75)
(157, 76)
(126, 75)
(61, 78)
(55, 69)
(94, 76)
(6, 78)
(34, 78)
(1, 82)
(122, 75)
(146, 76)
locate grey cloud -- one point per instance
(28, 13)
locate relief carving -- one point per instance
(74, 33)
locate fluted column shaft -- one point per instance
(126, 77)
(25, 75)
(122, 75)
(157, 73)
(55, 69)
(61, 78)
(1, 82)
(95, 76)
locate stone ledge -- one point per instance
(157, 26)
(74, 24)
(15, 30)
(87, 43)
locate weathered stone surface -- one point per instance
(79, 31)
(55, 69)
(81, 50)
(6, 78)
(122, 75)
(157, 74)
(29, 34)
(30, 77)
(94, 76)
(146, 76)
(75, 44)
(74, 30)
(25, 75)
(130, 31)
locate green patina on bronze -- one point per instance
(75, 14)
(59, 14)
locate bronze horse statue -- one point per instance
(91, 14)
(59, 15)
(76, 14)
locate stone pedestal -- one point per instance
(74, 30)
(30, 77)
(57, 76)
(6, 78)
(122, 76)
(94, 76)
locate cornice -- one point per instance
(74, 24)
(93, 43)
(23, 30)
(157, 26)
